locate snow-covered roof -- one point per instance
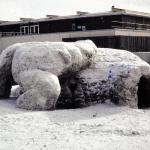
(114, 11)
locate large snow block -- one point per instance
(114, 75)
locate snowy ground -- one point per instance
(98, 127)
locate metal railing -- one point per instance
(7, 34)
(130, 25)
(3, 34)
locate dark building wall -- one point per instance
(10, 28)
(80, 24)
(84, 23)
(66, 25)
(133, 44)
(44, 27)
(60, 26)
(15, 29)
(93, 23)
(107, 42)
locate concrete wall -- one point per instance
(7, 41)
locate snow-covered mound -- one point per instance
(98, 127)
(114, 75)
(36, 66)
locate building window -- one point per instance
(24, 30)
(79, 27)
(73, 27)
(83, 28)
(34, 29)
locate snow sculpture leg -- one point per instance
(42, 90)
(72, 95)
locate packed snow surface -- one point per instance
(98, 127)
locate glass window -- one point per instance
(24, 30)
(73, 27)
(34, 29)
(37, 29)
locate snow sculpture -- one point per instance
(69, 75)
(36, 67)
(114, 75)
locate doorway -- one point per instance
(144, 92)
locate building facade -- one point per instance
(119, 28)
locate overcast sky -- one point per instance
(14, 9)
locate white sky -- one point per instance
(14, 9)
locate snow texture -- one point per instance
(42, 90)
(99, 127)
(36, 66)
(113, 75)
(16, 91)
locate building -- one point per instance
(118, 28)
